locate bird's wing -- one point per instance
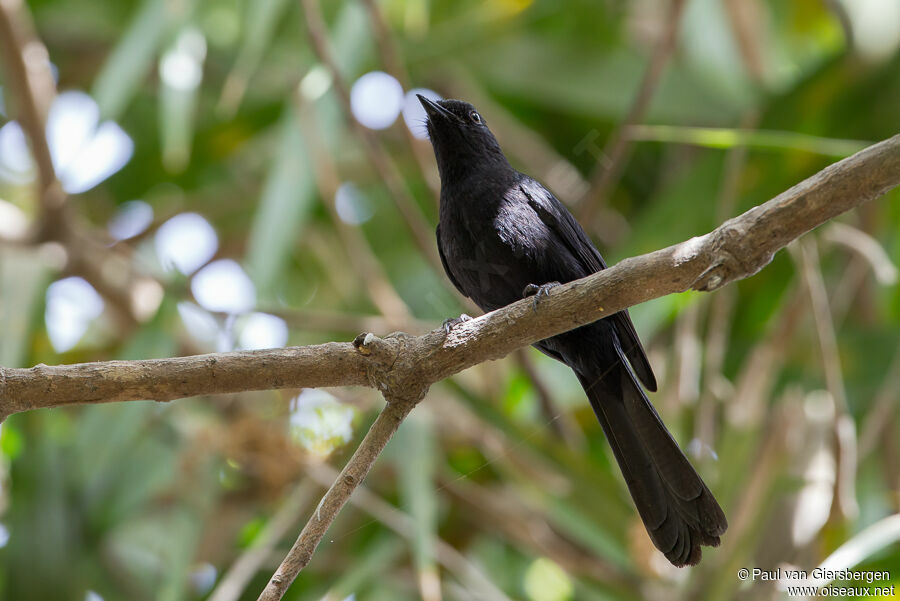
(631, 344)
(444, 263)
(558, 219)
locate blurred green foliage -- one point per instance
(506, 496)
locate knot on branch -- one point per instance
(392, 368)
(734, 252)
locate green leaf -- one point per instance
(178, 99)
(132, 59)
(712, 137)
(23, 279)
(371, 564)
(262, 17)
(287, 196)
(413, 448)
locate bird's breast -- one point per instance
(493, 254)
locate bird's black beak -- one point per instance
(433, 109)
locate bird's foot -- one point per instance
(451, 323)
(538, 291)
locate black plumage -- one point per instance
(501, 235)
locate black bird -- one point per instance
(502, 236)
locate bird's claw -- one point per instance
(538, 291)
(451, 323)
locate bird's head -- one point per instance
(460, 136)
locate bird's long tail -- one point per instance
(678, 510)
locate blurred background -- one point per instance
(255, 174)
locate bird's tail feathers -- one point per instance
(678, 510)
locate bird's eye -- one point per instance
(475, 117)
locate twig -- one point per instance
(234, 581)
(393, 64)
(882, 408)
(377, 155)
(746, 25)
(360, 252)
(351, 476)
(845, 431)
(33, 89)
(401, 523)
(618, 147)
(43, 386)
(721, 305)
(28, 68)
(866, 247)
(561, 423)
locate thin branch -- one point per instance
(394, 65)
(618, 147)
(401, 523)
(28, 68)
(561, 423)
(845, 430)
(351, 476)
(882, 409)
(359, 251)
(232, 584)
(27, 64)
(376, 154)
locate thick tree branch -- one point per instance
(43, 386)
(403, 366)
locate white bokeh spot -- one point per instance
(203, 578)
(84, 151)
(181, 67)
(185, 242)
(132, 218)
(319, 422)
(223, 286)
(16, 165)
(352, 205)
(72, 303)
(199, 323)
(262, 331)
(376, 99)
(414, 113)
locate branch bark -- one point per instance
(28, 68)
(403, 364)
(44, 386)
(403, 367)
